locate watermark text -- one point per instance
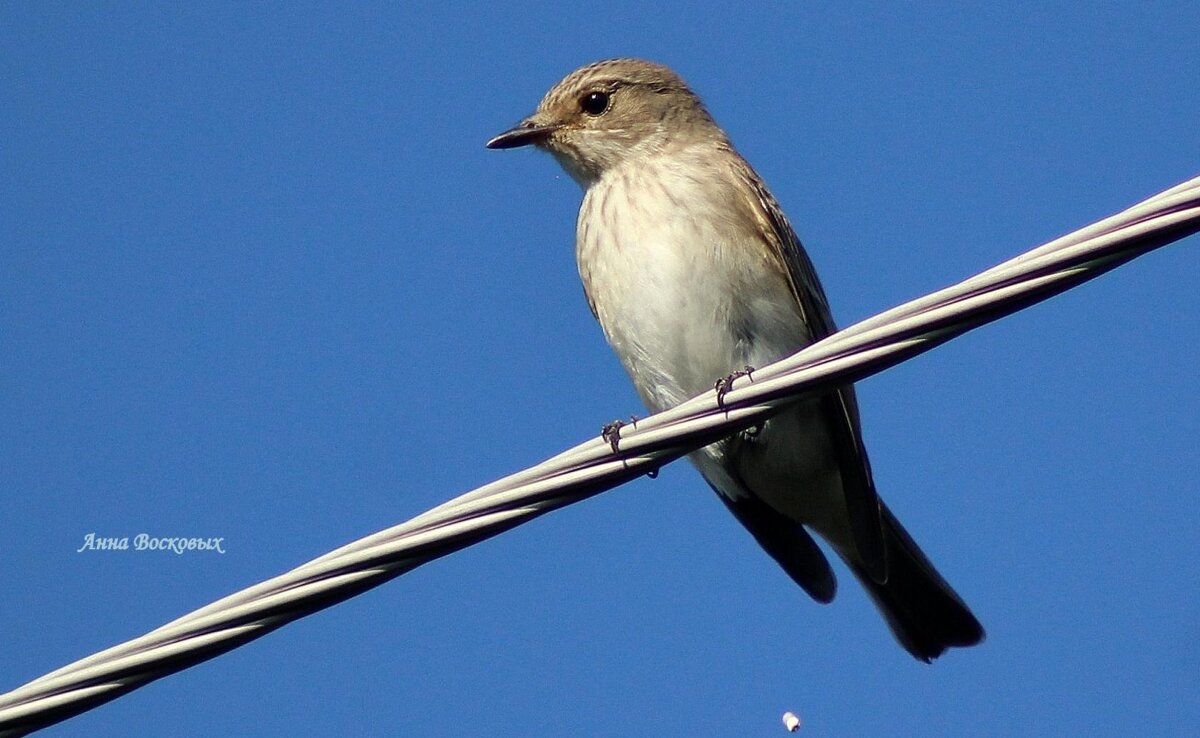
(147, 542)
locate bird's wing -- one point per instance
(840, 406)
(787, 542)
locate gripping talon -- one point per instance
(611, 432)
(724, 384)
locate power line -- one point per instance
(863, 349)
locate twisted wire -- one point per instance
(865, 348)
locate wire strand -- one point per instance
(861, 350)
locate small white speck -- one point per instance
(791, 721)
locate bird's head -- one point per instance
(601, 114)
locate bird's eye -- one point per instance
(594, 103)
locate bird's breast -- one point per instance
(683, 288)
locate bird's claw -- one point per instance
(611, 432)
(724, 384)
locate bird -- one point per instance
(694, 275)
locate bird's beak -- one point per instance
(525, 133)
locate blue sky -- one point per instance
(259, 279)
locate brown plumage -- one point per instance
(693, 272)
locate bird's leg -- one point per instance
(611, 432)
(724, 384)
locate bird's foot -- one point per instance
(724, 384)
(611, 432)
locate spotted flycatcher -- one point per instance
(694, 273)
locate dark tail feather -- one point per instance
(788, 543)
(924, 613)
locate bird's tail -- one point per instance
(924, 612)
